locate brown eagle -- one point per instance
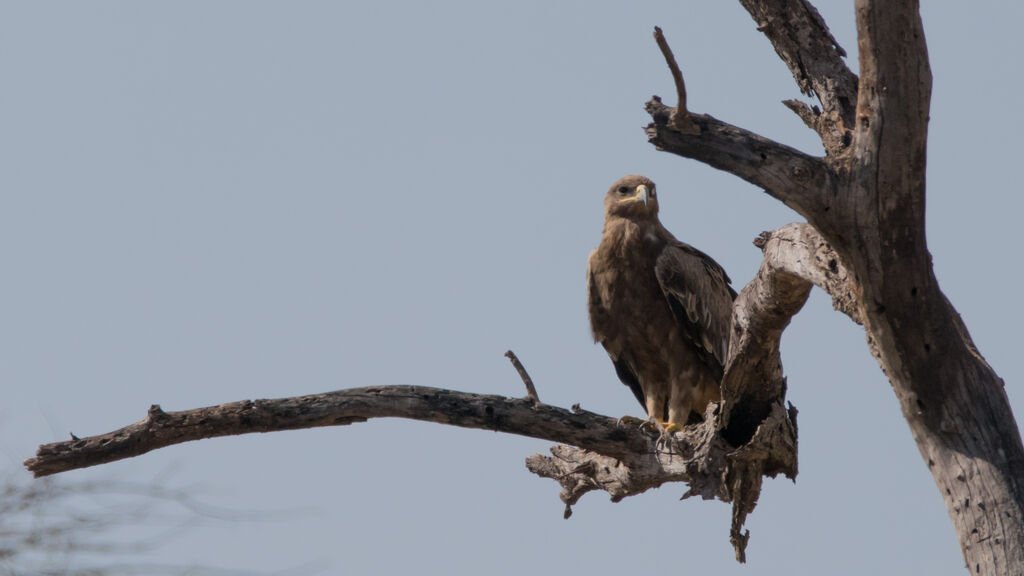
(660, 307)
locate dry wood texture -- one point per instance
(751, 434)
(867, 198)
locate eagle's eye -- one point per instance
(623, 190)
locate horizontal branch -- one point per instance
(488, 412)
(748, 436)
(606, 454)
(801, 181)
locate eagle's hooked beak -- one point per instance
(641, 194)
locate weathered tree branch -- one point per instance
(803, 182)
(800, 250)
(339, 408)
(795, 258)
(700, 456)
(751, 416)
(725, 457)
(803, 41)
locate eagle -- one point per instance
(660, 307)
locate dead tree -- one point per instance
(864, 244)
(867, 198)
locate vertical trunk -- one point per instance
(867, 198)
(954, 403)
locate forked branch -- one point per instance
(803, 182)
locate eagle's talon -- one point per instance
(651, 427)
(658, 430)
(630, 420)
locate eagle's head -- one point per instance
(632, 197)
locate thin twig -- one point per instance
(531, 392)
(677, 74)
(680, 119)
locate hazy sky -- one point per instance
(205, 202)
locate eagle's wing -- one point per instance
(698, 291)
(598, 313)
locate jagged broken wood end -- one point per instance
(752, 433)
(700, 457)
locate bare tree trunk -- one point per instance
(867, 197)
(952, 399)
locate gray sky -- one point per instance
(205, 202)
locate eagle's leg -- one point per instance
(658, 408)
(678, 415)
(686, 397)
(656, 404)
